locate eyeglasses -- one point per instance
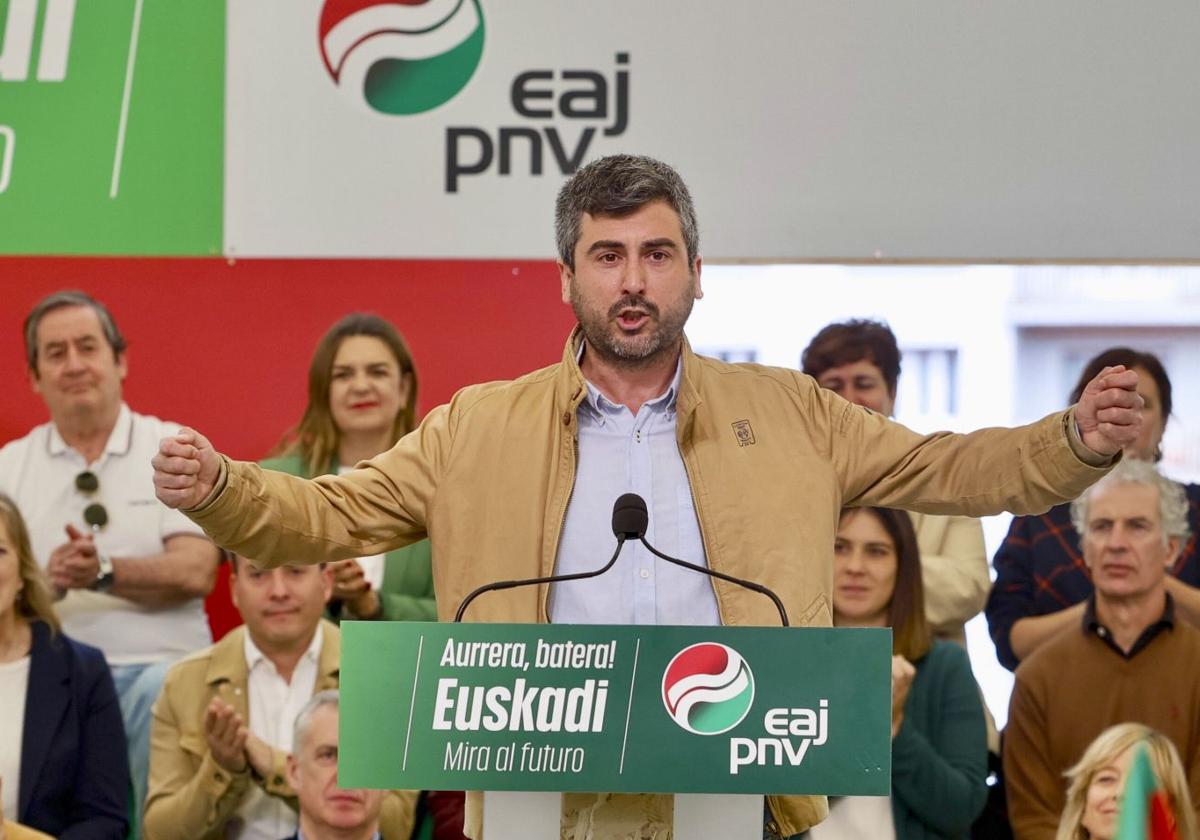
(95, 514)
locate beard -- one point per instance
(658, 337)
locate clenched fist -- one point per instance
(1109, 411)
(186, 469)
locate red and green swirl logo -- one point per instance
(708, 688)
(406, 56)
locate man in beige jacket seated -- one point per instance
(222, 727)
(746, 466)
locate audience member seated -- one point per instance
(362, 398)
(1129, 659)
(132, 573)
(939, 742)
(327, 811)
(63, 767)
(1096, 784)
(223, 724)
(860, 361)
(1042, 581)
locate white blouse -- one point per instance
(856, 818)
(14, 682)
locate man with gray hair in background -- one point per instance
(131, 574)
(1133, 658)
(327, 811)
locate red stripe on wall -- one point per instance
(224, 346)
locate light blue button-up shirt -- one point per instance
(620, 452)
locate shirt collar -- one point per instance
(255, 656)
(1093, 627)
(598, 405)
(119, 439)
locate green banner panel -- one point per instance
(111, 126)
(616, 708)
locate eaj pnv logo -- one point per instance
(708, 688)
(403, 57)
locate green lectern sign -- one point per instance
(615, 708)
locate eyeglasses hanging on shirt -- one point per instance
(95, 514)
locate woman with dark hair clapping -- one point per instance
(939, 740)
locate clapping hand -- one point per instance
(226, 734)
(902, 677)
(74, 564)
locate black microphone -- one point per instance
(748, 584)
(629, 519)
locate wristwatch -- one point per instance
(104, 577)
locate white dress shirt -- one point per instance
(14, 684)
(274, 704)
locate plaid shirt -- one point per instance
(1040, 570)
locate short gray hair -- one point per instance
(61, 300)
(1172, 500)
(618, 185)
(328, 697)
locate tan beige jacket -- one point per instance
(770, 456)
(16, 831)
(954, 572)
(191, 797)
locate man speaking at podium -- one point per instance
(744, 467)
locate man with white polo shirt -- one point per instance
(131, 574)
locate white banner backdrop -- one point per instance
(812, 129)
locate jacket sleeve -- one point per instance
(101, 785)
(1023, 470)
(274, 518)
(1030, 781)
(188, 799)
(940, 776)
(955, 573)
(1011, 598)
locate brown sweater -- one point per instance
(1074, 687)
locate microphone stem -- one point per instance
(509, 584)
(755, 587)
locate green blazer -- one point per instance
(407, 590)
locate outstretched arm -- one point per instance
(1022, 470)
(274, 518)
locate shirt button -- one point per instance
(645, 573)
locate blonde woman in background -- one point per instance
(63, 765)
(1095, 784)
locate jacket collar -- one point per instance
(49, 689)
(573, 385)
(228, 660)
